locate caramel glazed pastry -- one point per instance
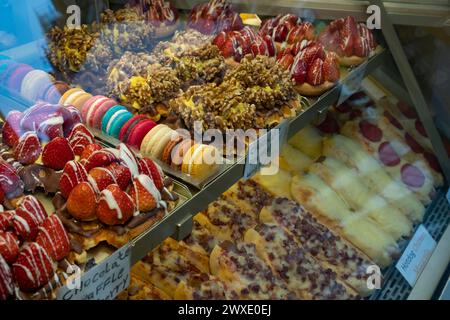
(255, 94)
(251, 245)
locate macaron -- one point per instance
(92, 101)
(125, 131)
(55, 91)
(139, 131)
(109, 114)
(166, 156)
(77, 98)
(14, 77)
(178, 152)
(97, 110)
(34, 83)
(200, 161)
(68, 93)
(156, 140)
(116, 122)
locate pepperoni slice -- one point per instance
(432, 161)
(413, 144)
(393, 120)
(344, 107)
(388, 155)
(412, 176)
(329, 125)
(421, 128)
(370, 131)
(407, 111)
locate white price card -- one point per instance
(416, 255)
(352, 83)
(103, 282)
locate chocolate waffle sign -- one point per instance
(103, 282)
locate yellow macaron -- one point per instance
(200, 161)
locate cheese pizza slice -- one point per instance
(317, 197)
(331, 250)
(351, 188)
(375, 177)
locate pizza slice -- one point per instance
(202, 287)
(309, 141)
(375, 177)
(302, 274)
(293, 160)
(318, 198)
(331, 250)
(244, 272)
(351, 188)
(277, 184)
(201, 239)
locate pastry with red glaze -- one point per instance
(162, 15)
(313, 70)
(213, 17)
(352, 42)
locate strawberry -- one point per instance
(48, 130)
(6, 280)
(128, 159)
(258, 48)
(220, 39)
(57, 153)
(270, 45)
(361, 47)
(312, 52)
(299, 70)
(28, 149)
(348, 33)
(33, 267)
(331, 68)
(9, 246)
(286, 61)
(82, 202)
(100, 178)
(29, 216)
(90, 149)
(2, 197)
(6, 220)
(10, 181)
(79, 138)
(11, 130)
(228, 48)
(71, 116)
(309, 32)
(281, 32)
(315, 75)
(73, 174)
(115, 206)
(284, 52)
(121, 174)
(144, 193)
(53, 238)
(100, 158)
(296, 34)
(150, 168)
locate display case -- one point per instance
(227, 150)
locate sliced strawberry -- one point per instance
(79, 138)
(9, 246)
(33, 267)
(57, 153)
(11, 130)
(331, 68)
(281, 32)
(71, 117)
(361, 47)
(6, 220)
(258, 48)
(101, 158)
(82, 202)
(89, 150)
(121, 173)
(10, 181)
(73, 174)
(144, 193)
(100, 178)
(270, 45)
(150, 168)
(6, 280)
(28, 149)
(220, 39)
(227, 48)
(315, 74)
(296, 34)
(53, 238)
(348, 34)
(115, 207)
(48, 130)
(29, 216)
(312, 52)
(299, 70)
(286, 61)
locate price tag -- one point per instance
(103, 282)
(352, 83)
(265, 150)
(416, 255)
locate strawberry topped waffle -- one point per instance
(352, 42)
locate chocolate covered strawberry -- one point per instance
(57, 153)
(73, 174)
(6, 280)
(115, 207)
(11, 130)
(9, 246)
(29, 216)
(10, 181)
(100, 178)
(28, 148)
(82, 202)
(89, 150)
(53, 238)
(101, 158)
(144, 193)
(33, 267)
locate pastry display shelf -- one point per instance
(431, 13)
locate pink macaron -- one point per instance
(87, 105)
(94, 111)
(139, 131)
